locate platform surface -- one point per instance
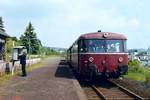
(53, 81)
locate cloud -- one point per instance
(134, 23)
(60, 22)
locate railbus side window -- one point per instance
(82, 46)
(125, 45)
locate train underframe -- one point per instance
(92, 73)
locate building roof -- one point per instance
(3, 33)
(103, 35)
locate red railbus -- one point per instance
(99, 54)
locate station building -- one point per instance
(3, 37)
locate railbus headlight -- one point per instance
(120, 59)
(105, 35)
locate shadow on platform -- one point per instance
(63, 70)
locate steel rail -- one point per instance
(99, 93)
(137, 97)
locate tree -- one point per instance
(2, 48)
(11, 42)
(30, 41)
(9, 45)
(2, 25)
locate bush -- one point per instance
(134, 63)
(134, 66)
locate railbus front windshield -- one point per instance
(102, 46)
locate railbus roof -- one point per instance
(102, 35)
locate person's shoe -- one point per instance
(24, 75)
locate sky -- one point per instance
(58, 23)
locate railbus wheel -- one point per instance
(92, 74)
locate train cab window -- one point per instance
(92, 46)
(114, 46)
(101, 46)
(96, 46)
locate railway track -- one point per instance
(109, 91)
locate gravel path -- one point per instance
(53, 81)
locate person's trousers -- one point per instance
(24, 70)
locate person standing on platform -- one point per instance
(23, 64)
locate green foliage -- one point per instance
(138, 72)
(134, 66)
(50, 51)
(30, 41)
(9, 44)
(16, 41)
(135, 76)
(134, 63)
(147, 77)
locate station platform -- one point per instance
(53, 81)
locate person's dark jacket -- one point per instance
(23, 59)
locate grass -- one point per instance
(138, 72)
(6, 77)
(135, 76)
